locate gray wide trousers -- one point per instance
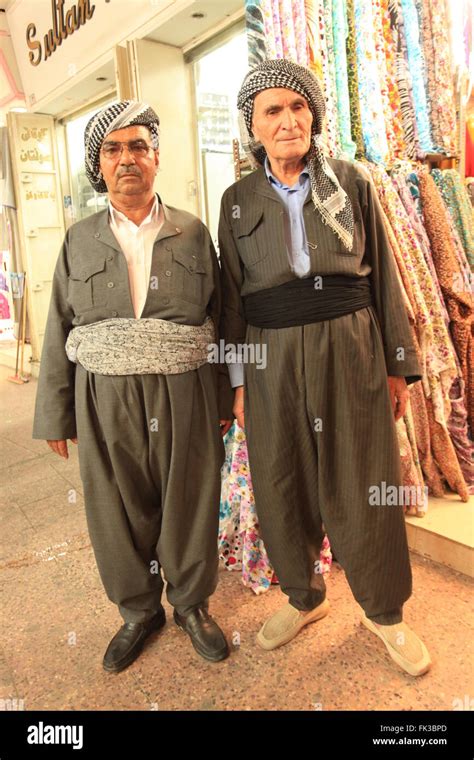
(150, 453)
(320, 432)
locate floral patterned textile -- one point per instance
(320, 65)
(440, 85)
(240, 545)
(437, 355)
(395, 133)
(417, 66)
(457, 200)
(370, 97)
(340, 31)
(459, 302)
(353, 82)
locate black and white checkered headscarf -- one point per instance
(125, 113)
(328, 196)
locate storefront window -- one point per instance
(85, 201)
(218, 76)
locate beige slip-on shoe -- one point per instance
(285, 624)
(403, 645)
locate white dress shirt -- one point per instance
(136, 243)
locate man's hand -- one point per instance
(239, 406)
(399, 395)
(60, 447)
(225, 426)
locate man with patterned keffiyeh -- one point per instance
(125, 374)
(308, 272)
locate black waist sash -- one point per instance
(305, 300)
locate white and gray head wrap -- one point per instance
(125, 113)
(328, 196)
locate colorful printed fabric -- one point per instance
(457, 200)
(397, 139)
(333, 128)
(255, 32)
(459, 432)
(417, 70)
(457, 295)
(384, 77)
(371, 106)
(340, 32)
(403, 79)
(437, 356)
(319, 64)
(285, 20)
(240, 545)
(440, 84)
(353, 82)
(271, 21)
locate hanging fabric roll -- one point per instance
(457, 200)
(353, 82)
(436, 50)
(397, 137)
(417, 70)
(384, 79)
(318, 63)
(340, 31)
(403, 80)
(459, 300)
(272, 31)
(371, 106)
(331, 67)
(255, 32)
(438, 358)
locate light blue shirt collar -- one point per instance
(302, 179)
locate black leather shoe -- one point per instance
(206, 636)
(127, 644)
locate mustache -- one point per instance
(129, 170)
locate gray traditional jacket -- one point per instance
(91, 283)
(254, 256)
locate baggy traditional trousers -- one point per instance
(321, 435)
(150, 452)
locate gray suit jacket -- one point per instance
(91, 283)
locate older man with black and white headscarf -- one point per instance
(308, 272)
(125, 373)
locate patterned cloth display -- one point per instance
(240, 545)
(385, 70)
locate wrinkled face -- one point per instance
(282, 123)
(131, 171)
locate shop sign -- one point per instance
(63, 26)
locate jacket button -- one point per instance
(110, 284)
(110, 258)
(166, 301)
(168, 273)
(97, 235)
(193, 256)
(167, 248)
(191, 269)
(115, 313)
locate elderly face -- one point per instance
(128, 173)
(282, 123)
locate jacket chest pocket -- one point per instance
(190, 281)
(87, 287)
(248, 232)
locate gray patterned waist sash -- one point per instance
(140, 346)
